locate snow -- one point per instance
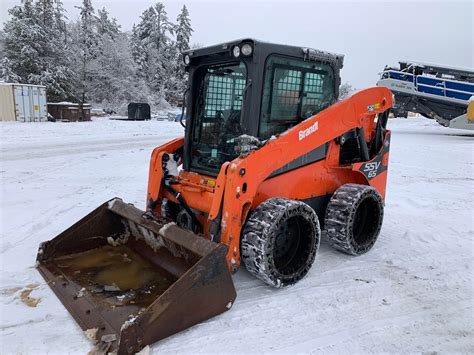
(412, 293)
(436, 65)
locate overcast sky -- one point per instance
(370, 34)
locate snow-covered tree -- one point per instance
(183, 30)
(345, 90)
(154, 50)
(85, 50)
(45, 13)
(33, 50)
(22, 37)
(92, 59)
(55, 71)
(106, 71)
(183, 36)
(107, 26)
(116, 82)
(60, 19)
(6, 72)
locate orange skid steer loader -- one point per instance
(269, 160)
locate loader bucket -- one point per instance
(130, 279)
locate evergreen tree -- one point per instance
(153, 50)
(32, 50)
(6, 73)
(138, 52)
(55, 70)
(107, 26)
(85, 50)
(22, 37)
(45, 14)
(183, 35)
(91, 59)
(60, 19)
(183, 30)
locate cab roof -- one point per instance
(224, 50)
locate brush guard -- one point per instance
(198, 284)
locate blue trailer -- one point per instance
(435, 91)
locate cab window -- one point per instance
(217, 116)
(293, 91)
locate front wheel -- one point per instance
(280, 241)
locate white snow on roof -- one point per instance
(18, 84)
(438, 65)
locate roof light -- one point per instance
(246, 49)
(236, 51)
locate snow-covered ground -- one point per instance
(412, 293)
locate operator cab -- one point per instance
(254, 88)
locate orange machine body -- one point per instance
(245, 182)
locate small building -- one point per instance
(69, 112)
(23, 102)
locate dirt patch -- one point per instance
(26, 298)
(9, 291)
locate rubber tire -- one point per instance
(341, 216)
(259, 237)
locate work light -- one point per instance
(236, 51)
(247, 49)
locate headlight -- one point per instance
(247, 49)
(236, 51)
(187, 60)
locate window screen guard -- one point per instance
(216, 121)
(295, 89)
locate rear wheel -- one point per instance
(280, 241)
(354, 218)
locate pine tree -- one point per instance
(45, 14)
(6, 73)
(85, 50)
(60, 19)
(33, 53)
(183, 35)
(55, 70)
(137, 50)
(22, 35)
(153, 51)
(183, 30)
(106, 70)
(107, 26)
(91, 59)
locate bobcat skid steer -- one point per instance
(269, 159)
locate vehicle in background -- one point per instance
(435, 91)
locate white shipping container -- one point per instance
(22, 102)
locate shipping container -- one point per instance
(22, 102)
